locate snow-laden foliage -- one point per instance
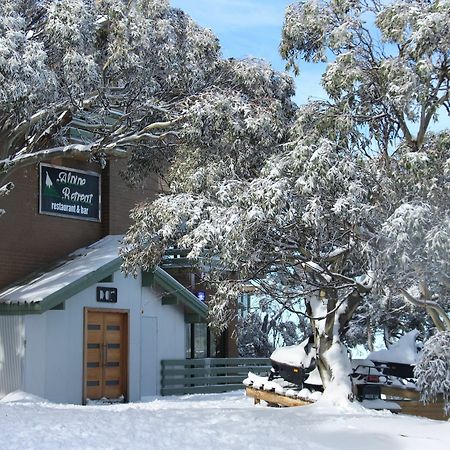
(131, 79)
(252, 339)
(387, 78)
(389, 61)
(345, 214)
(414, 239)
(267, 325)
(433, 370)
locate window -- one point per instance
(200, 341)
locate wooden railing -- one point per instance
(208, 375)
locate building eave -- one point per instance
(174, 288)
(56, 298)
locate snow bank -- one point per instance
(22, 397)
(217, 421)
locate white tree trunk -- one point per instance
(333, 361)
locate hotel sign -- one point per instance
(69, 192)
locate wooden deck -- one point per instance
(407, 399)
(394, 393)
(416, 408)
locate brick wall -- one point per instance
(31, 241)
(122, 198)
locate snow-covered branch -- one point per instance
(437, 313)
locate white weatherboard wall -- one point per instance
(12, 342)
(54, 351)
(167, 324)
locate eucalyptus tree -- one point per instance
(387, 79)
(347, 212)
(107, 78)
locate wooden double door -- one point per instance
(105, 354)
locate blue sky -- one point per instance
(252, 28)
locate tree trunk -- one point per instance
(333, 362)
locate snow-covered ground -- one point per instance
(214, 421)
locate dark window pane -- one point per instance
(93, 346)
(93, 383)
(188, 340)
(200, 340)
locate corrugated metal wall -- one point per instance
(12, 352)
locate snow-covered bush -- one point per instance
(433, 370)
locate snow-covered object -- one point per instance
(280, 387)
(294, 355)
(362, 368)
(262, 383)
(404, 351)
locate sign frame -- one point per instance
(69, 216)
(106, 294)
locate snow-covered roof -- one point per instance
(294, 355)
(404, 351)
(80, 263)
(83, 268)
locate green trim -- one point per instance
(170, 300)
(17, 309)
(202, 389)
(60, 307)
(108, 279)
(176, 293)
(193, 318)
(56, 298)
(185, 297)
(147, 279)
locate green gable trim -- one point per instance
(170, 300)
(19, 309)
(193, 318)
(58, 297)
(176, 293)
(173, 288)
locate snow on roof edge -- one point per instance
(79, 263)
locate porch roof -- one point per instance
(83, 268)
